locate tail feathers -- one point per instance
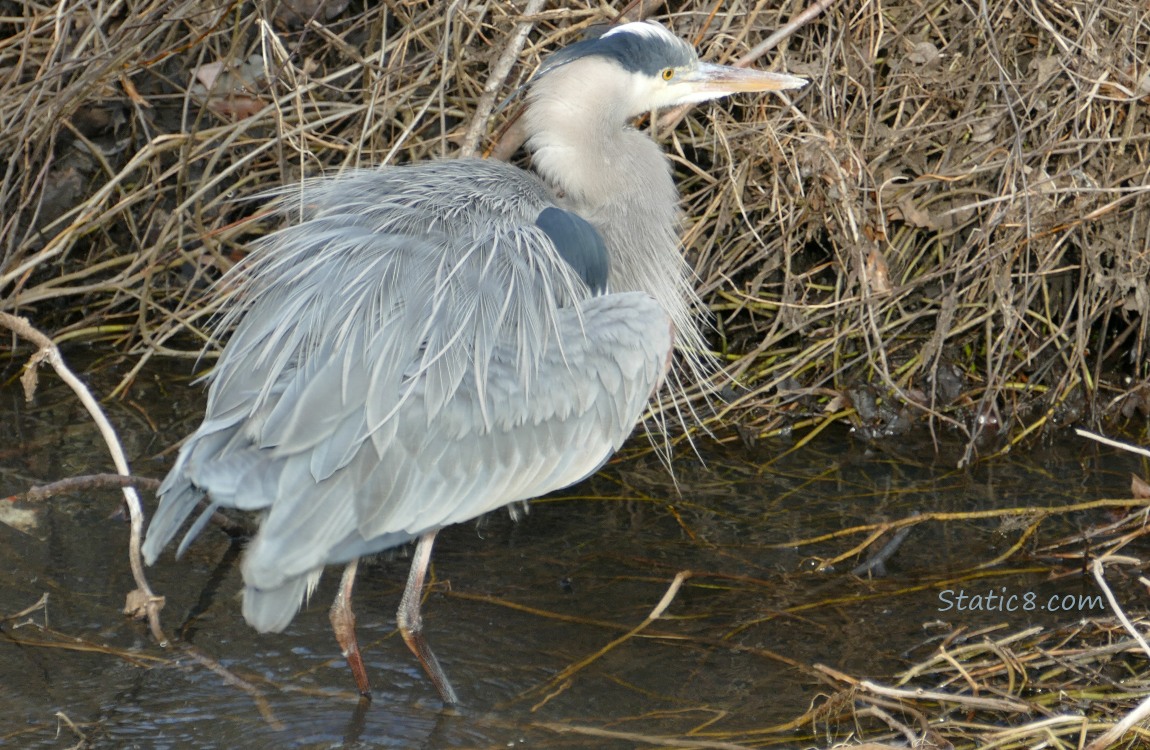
(270, 610)
(179, 499)
(205, 465)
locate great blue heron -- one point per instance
(432, 342)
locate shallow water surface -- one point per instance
(516, 603)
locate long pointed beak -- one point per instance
(709, 81)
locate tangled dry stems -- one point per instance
(949, 225)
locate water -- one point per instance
(515, 603)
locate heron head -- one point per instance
(643, 66)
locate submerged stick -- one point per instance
(656, 613)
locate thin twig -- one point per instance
(1112, 442)
(970, 701)
(571, 670)
(47, 351)
(496, 78)
(1142, 711)
(41, 604)
(42, 492)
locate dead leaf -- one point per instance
(21, 519)
(912, 214)
(136, 604)
(231, 90)
(923, 53)
(984, 130)
(877, 272)
(1045, 68)
(835, 404)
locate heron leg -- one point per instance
(343, 624)
(410, 622)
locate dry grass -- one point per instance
(951, 223)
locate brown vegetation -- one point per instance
(950, 224)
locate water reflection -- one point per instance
(514, 604)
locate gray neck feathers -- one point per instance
(619, 180)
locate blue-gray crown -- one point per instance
(641, 47)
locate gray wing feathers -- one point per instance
(413, 355)
(457, 467)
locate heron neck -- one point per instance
(619, 180)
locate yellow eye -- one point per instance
(668, 73)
